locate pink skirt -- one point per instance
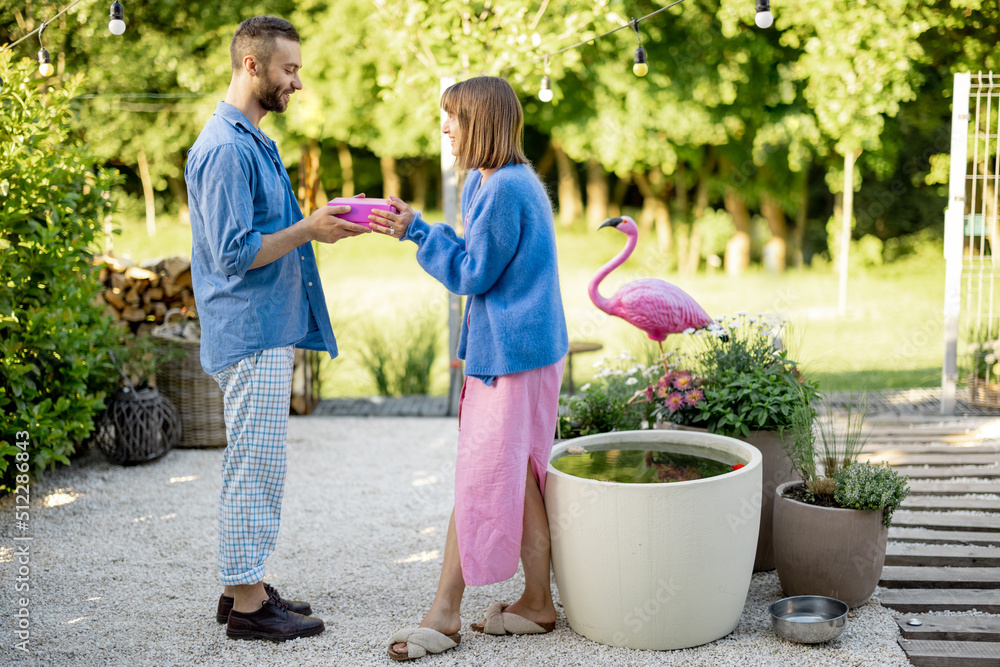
(503, 428)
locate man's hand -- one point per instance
(324, 225)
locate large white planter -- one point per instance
(655, 566)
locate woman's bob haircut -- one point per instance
(491, 121)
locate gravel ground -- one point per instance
(123, 565)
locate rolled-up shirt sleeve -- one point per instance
(221, 183)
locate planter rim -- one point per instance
(779, 493)
(755, 459)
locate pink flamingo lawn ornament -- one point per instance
(651, 304)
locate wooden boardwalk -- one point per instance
(943, 553)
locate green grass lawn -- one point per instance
(891, 336)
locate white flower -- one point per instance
(688, 331)
(631, 381)
(742, 313)
(585, 387)
(991, 358)
(733, 325)
(973, 347)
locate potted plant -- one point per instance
(654, 564)
(738, 380)
(830, 529)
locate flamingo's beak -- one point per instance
(611, 222)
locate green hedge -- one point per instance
(54, 370)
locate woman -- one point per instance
(513, 342)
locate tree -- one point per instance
(857, 64)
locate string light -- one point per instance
(45, 67)
(640, 68)
(117, 24)
(764, 18)
(545, 92)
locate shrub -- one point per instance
(54, 367)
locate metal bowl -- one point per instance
(808, 619)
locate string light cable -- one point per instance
(763, 19)
(116, 25)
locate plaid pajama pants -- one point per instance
(257, 392)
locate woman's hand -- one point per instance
(392, 224)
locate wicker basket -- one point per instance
(982, 393)
(196, 394)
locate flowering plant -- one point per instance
(677, 394)
(603, 404)
(739, 378)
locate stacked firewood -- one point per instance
(141, 296)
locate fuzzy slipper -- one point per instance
(421, 641)
(499, 622)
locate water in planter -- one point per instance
(640, 466)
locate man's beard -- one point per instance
(270, 95)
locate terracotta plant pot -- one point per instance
(655, 566)
(777, 471)
(827, 551)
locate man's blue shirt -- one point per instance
(239, 191)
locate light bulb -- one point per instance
(117, 24)
(764, 18)
(545, 92)
(45, 67)
(640, 68)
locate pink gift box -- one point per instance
(361, 208)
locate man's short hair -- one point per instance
(256, 36)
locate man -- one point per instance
(259, 295)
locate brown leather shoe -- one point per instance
(226, 604)
(274, 621)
